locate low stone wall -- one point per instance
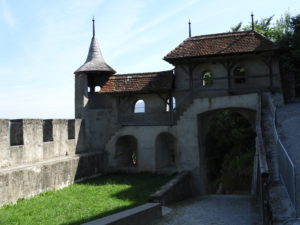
(175, 190)
(32, 179)
(143, 214)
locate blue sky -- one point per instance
(43, 42)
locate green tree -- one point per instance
(273, 31)
(230, 147)
(295, 39)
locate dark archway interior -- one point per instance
(165, 150)
(126, 151)
(229, 153)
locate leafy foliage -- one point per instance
(274, 32)
(229, 153)
(237, 27)
(295, 39)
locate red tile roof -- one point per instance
(139, 83)
(221, 44)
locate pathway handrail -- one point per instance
(293, 192)
(261, 169)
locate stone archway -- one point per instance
(227, 148)
(126, 151)
(165, 146)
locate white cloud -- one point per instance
(7, 13)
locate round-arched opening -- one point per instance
(171, 104)
(165, 145)
(207, 79)
(139, 106)
(239, 75)
(229, 152)
(126, 151)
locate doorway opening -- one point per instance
(228, 143)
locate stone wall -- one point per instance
(28, 180)
(37, 155)
(186, 147)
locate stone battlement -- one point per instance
(27, 141)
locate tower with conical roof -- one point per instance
(93, 73)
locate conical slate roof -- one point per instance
(95, 61)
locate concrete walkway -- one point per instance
(213, 210)
(288, 121)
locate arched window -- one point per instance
(139, 106)
(239, 75)
(207, 79)
(170, 102)
(97, 89)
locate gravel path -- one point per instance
(213, 210)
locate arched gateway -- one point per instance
(226, 150)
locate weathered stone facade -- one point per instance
(168, 135)
(37, 155)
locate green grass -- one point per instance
(82, 202)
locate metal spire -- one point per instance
(93, 27)
(190, 29)
(252, 18)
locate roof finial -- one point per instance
(190, 29)
(93, 27)
(252, 18)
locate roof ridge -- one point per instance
(142, 73)
(220, 34)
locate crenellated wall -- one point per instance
(33, 140)
(38, 155)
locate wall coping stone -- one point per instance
(143, 214)
(45, 162)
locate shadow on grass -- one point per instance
(141, 187)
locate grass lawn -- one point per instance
(84, 201)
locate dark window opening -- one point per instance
(239, 75)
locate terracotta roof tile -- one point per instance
(139, 83)
(221, 44)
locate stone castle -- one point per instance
(145, 122)
(153, 121)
